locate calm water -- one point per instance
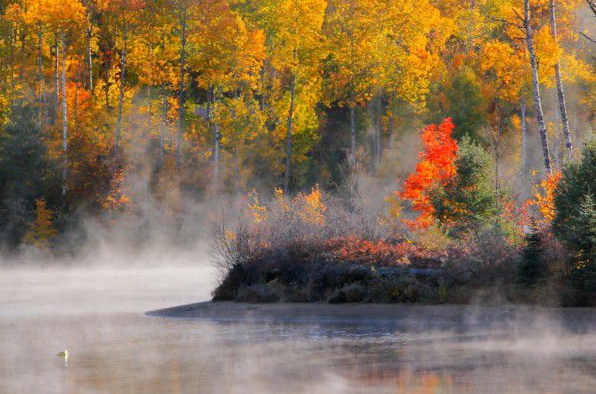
(115, 348)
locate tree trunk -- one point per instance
(122, 86)
(560, 91)
(536, 88)
(497, 150)
(379, 129)
(107, 65)
(12, 61)
(164, 119)
(352, 131)
(216, 142)
(392, 125)
(57, 79)
(75, 112)
(289, 135)
(64, 119)
(40, 76)
(524, 127)
(181, 87)
(149, 111)
(236, 170)
(89, 58)
(557, 154)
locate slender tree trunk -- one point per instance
(64, 120)
(122, 86)
(524, 127)
(536, 88)
(107, 65)
(289, 135)
(556, 153)
(498, 157)
(560, 91)
(392, 125)
(216, 142)
(57, 78)
(40, 75)
(236, 170)
(149, 110)
(164, 119)
(12, 80)
(89, 57)
(181, 87)
(379, 129)
(352, 130)
(75, 114)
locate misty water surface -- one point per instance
(98, 314)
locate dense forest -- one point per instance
(322, 105)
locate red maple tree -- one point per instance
(435, 167)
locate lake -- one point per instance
(98, 315)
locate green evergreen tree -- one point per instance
(575, 223)
(532, 268)
(27, 173)
(468, 201)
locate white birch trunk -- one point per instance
(64, 120)
(524, 129)
(560, 91)
(536, 88)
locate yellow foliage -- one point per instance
(42, 230)
(116, 199)
(394, 205)
(259, 212)
(505, 69)
(311, 207)
(543, 199)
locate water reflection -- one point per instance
(121, 351)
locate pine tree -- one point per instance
(531, 268)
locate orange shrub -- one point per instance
(356, 250)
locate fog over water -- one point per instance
(96, 311)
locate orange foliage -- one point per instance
(436, 167)
(356, 250)
(116, 201)
(543, 199)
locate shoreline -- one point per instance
(411, 316)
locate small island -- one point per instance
(448, 237)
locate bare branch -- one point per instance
(592, 5)
(588, 37)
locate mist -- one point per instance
(97, 313)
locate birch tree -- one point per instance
(536, 87)
(65, 18)
(560, 91)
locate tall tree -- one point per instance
(295, 35)
(182, 24)
(66, 19)
(536, 87)
(560, 91)
(349, 31)
(124, 13)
